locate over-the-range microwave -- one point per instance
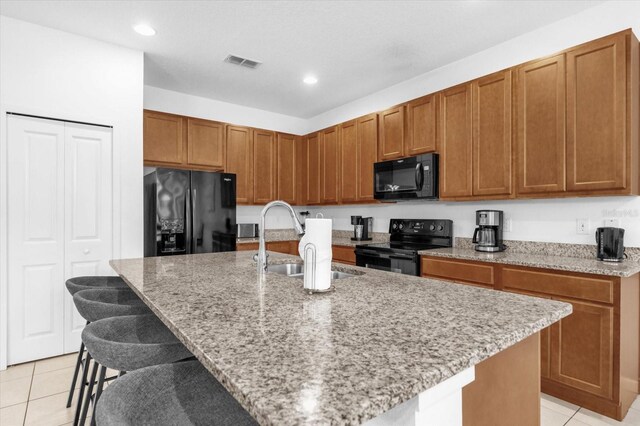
(406, 179)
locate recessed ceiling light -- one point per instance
(144, 29)
(310, 80)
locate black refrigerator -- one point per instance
(189, 212)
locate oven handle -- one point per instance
(384, 255)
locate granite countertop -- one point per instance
(585, 265)
(341, 357)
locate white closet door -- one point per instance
(35, 238)
(88, 214)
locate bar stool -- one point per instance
(99, 303)
(76, 284)
(184, 393)
(128, 343)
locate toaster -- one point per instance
(247, 230)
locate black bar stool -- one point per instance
(76, 284)
(95, 304)
(128, 343)
(184, 393)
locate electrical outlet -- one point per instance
(582, 226)
(612, 222)
(508, 225)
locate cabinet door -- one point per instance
(302, 151)
(164, 139)
(349, 161)
(596, 115)
(313, 168)
(205, 143)
(541, 126)
(329, 166)
(492, 134)
(286, 176)
(264, 166)
(421, 125)
(240, 161)
(279, 246)
(455, 142)
(392, 133)
(582, 348)
(367, 155)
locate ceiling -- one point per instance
(355, 48)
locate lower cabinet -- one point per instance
(286, 247)
(589, 358)
(344, 254)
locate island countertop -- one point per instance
(341, 357)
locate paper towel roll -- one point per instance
(318, 233)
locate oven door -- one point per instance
(390, 262)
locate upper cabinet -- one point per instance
(205, 143)
(313, 169)
(240, 161)
(164, 139)
(286, 169)
(391, 142)
(349, 161)
(302, 150)
(421, 126)
(367, 155)
(264, 166)
(492, 134)
(597, 114)
(329, 171)
(455, 136)
(541, 139)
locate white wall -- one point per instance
(194, 106)
(55, 74)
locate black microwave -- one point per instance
(406, 179)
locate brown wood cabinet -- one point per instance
(541, 126)
(597, 115)
(455, 142)
(344, 254)
(492, 134)
(313, 169)
(164, 139)
(421, 125)
(589, 358)
(286, 168)
(264, 166)
(302, 151)
(240, 161)
(348, 161)
(205, 143)
(329, 170)
(286, 247)
(367, 155)
(391, 133)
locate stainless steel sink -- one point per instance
(295, 270)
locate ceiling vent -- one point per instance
(237, 60)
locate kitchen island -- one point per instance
(344, 357)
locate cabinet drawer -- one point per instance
(463, 271)
(246, 246)
(344, 254)
(598, 289)
(279, 246)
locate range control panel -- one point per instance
(428, 227)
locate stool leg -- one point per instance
(103, 372)
(75, 375)
(85, 371)
(87, 400)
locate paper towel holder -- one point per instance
(310, 279)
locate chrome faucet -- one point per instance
(261, 257)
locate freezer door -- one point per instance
(170, 221)
(213, 208)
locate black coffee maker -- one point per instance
(362, 228)
(610, 243)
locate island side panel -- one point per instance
(506, 390)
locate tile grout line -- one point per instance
(24, 416)
(575, 412)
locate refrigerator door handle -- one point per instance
(189, 223)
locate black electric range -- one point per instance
(407, 238)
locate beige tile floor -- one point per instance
(35, 393)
